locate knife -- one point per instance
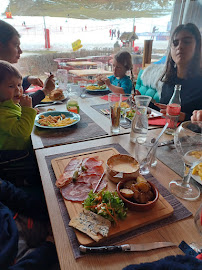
(126, 247)
(166, 143)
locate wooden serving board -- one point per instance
(134, 219)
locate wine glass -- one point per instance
(188, 143)
(125, 107)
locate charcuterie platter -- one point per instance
(161, 210)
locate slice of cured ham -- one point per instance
(88, 172)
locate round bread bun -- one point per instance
(56, 94)
(100, 83)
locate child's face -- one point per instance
(118, 69)
(11, 88)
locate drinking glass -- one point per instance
(188, 143)
(82, 86)
(62, 78)
(197, 246)
(115, 111)
(125, 107)
(145, 154)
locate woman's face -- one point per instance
(118, 69)
(183, 48)
(11, 51)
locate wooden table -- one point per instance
(175, 232)
(81, 63)
(85, 106)
(90, 72)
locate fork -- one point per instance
(49, 104)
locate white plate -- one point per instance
(66, 95)
(55, 113)
(97, 90)
(197, 178)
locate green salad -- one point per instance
(107, 204)
(130, 114)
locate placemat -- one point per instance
(83, 130)
(180, 212)
(106, 106)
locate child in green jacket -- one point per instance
(17, 160)
(17, 115)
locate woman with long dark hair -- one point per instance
(183, 67)
(10, 51)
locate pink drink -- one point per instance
(173, 109)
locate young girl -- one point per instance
(17, 114)
(119, 83)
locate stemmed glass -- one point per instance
(188, 143)
(125, 107)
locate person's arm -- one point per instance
(42, 258)
(25, 83)
(20, 201)
(28, 80)
(18, 125)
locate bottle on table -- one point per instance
(173, 110)
(72, 106)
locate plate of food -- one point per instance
(56, 119)
(152, 114)
(197, 173)
(93, 88)
(55, 95)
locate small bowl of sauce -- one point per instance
(122, 168)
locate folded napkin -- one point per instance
(32, 90)
(157, 121)
(178, 262)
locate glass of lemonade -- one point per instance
(115, 111)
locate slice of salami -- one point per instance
(92, 162)
(76, 192)
(73, 164)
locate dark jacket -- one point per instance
(190, 94)
(37, 96)
(15, 199)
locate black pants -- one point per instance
(19, 167)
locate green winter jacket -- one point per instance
(16, 124)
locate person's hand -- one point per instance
(100, 80)
(26, 101)
(137, 93)
(106, 81)
(196, 116)
(163, 108)
(35, 81)
(49, 84)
